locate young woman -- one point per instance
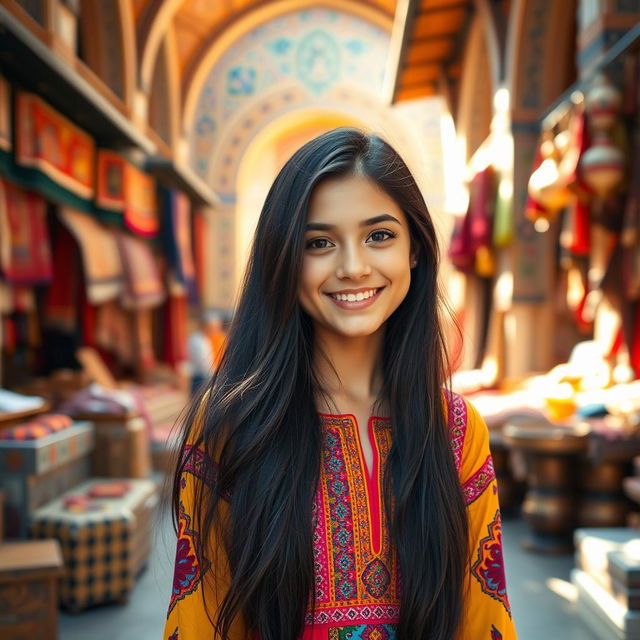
(329, 487)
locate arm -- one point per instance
(187, 617)
(487, 612)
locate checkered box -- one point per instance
(104, 549)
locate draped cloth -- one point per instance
(144, 288)
(100, 256)
(357, 582)
(177, 239)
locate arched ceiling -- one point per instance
(197, 22)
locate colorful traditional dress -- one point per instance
(357, 577)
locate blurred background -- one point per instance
(138, 139)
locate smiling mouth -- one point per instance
(355, 300)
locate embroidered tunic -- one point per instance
(357, 578)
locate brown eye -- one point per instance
(317, 243)
(381, 236)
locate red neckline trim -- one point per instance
(350, 415)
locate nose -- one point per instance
(353, 264)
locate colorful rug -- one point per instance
(47, 141)
(123, 188)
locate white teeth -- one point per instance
(353, 297)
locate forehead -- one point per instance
(346, 200)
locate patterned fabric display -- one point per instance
(358, 586)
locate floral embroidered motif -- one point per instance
(187, 574)
(376, 578)
(363, 632)
(489, 567)
(495, 634)
(479, 481)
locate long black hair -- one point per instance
(258, 421)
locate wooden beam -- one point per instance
(416, 74)
(430, 51)
(400, 35)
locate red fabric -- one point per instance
(581, 244)
(482, 195)
(635, 343)
(175, 330)
(27, 257)
(62, 295)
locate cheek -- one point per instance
(310, 280)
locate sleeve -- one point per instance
(187, 617)
(487, 611)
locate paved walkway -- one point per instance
(534, 584)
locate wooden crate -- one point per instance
(29, 573)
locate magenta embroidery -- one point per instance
(457, 419)
(488, 569)
(479, 481)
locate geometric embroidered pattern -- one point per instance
(488, 569)
(457, 420)
(355, 567)
(363, 632)
(479, 481)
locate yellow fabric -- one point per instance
(486, 615)
(482, 611)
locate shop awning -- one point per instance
(100, 256)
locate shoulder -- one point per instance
(468, 432)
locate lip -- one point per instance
(356, 304)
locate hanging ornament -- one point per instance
(602, 103)
(603, 165)
(546, 186)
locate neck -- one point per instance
(349, 369)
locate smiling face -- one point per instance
(357, 264)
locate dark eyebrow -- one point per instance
(321, 226)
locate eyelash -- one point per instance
(390, 235)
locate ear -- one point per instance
(414, 258)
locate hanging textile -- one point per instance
(114, 332)
(200, 228)
(143, 284)
(124, 188)
(100, 256)
(175, 330)
(47, 141)
(177, 239)
(61, 301)
(25, 253)
(5, 115)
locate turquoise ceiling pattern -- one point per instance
(317, 50)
